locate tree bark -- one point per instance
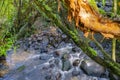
(83, 13)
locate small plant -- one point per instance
(7, 44)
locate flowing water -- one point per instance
(50, 55)
(47, 66)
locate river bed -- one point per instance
(51, 55)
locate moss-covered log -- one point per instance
(73, 34)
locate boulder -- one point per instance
(91, 68)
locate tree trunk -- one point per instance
(83, 13)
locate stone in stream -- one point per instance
(65, 56)
(75, 73)
(43, 50)
(66, 65)
(58, 76)
(85, 77)
(92, 68)
(36, 47)
(48, 77)
(74, 78)
(64, 36)
(56, 53)
(39, 39)
(45, 41)
(44, 57)
(103, 79)
(76, 62)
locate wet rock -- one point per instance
(65, 56)
(44, 57)
(56, 53)
(52, 65)
(82, 55)
(45, 41)
(76, 62)
(36, 47)
(57, 61)
(83, 77)
(94, 78)
(43, 49)
(75, 73)
(103, 79)
(62, 44)
(58, 76)
(64, 36)
(66, 65)
(25, 46)
(39, 39)
(92, 68)
(74, 78)
(50, 48)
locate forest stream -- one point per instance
(51, 55)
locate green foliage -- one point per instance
(7, 14)
(7, 44)
(14, 16)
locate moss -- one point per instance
(73, 35)
(92, 51)
(114, 68)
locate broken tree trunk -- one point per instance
(82, 12)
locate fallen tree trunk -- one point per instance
(107, 62)
(82, 12)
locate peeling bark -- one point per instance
(83, 13)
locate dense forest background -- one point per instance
(18, 16)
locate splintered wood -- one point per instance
(83, 13)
